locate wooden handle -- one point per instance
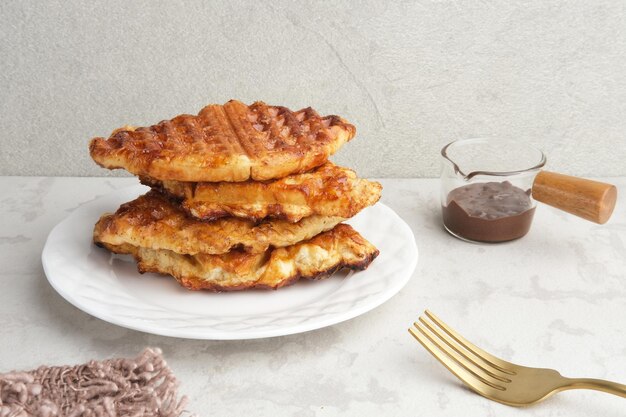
(591, 200)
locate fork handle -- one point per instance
(596, 384)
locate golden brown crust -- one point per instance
(230, 142)
(319, 257)
(154, 221)
(329, 190)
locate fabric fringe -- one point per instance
(144, 386)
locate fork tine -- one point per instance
(486, 357)
(489, 370)
(451, 360)
(461, 373)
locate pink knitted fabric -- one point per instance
(144, 386)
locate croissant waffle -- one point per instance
(317, 258)
(230, 142)
(155, 222)
(328, 191)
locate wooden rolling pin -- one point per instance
(591, 200)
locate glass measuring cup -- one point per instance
(486, 188)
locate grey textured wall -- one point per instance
(411, 75)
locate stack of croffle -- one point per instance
(241, 197)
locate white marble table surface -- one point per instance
(556, 298)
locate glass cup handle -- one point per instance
(591, 200)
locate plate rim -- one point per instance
(214, 334)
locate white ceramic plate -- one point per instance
(109, 287)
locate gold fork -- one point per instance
(495, 378)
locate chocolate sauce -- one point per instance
(488, 212)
